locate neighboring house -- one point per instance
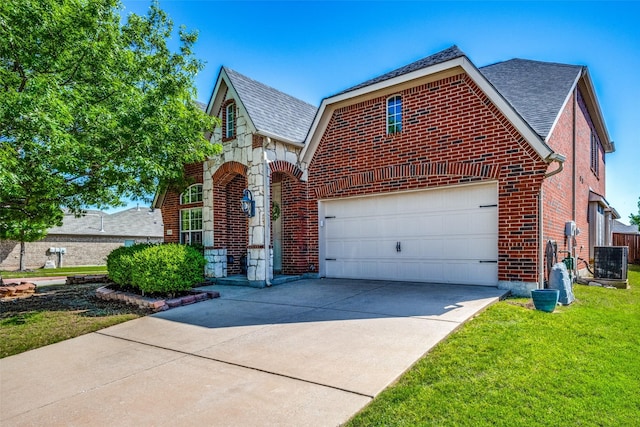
(435, 172)
(86, 240)
(621, 228)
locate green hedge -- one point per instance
(120, 263)
(156, 269)
(167, 268)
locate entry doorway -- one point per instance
(276, 225)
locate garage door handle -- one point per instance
(398, 247)
(488, 261)
(330, 259)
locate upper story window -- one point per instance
(394, 114)
(192, 194)
(230, 121)
(595, 154)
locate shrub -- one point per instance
(120, 263)
(167, 268)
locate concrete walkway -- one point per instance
(38, 281)
(312, 353)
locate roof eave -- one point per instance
(591, 100)
(158, 199)
(280, 138)
(564, 105)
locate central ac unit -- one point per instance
(610, 262)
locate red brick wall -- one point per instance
(451, 134)
(171, 206)
(230, 225)
(237, 224)
(295, 251)
(558, 189)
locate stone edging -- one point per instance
(24, 289)
(108, 294)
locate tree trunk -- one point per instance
(22, 256)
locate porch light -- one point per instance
(248, 204)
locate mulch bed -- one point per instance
(68, 298)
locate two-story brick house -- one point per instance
(435, 172)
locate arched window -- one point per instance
(394, 114)
(192, 194)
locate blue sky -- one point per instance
(312, 50)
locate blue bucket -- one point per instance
(545, 299)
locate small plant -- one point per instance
(167, 269)
(120, 262)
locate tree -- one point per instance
(635, 219)
(91, 110)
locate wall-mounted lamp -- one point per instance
(248, 204)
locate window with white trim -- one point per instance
(394, 114)
(191, 226)
(230, 121)
(193, 194)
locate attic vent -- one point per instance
(610, 262)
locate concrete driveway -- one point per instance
(311, 352)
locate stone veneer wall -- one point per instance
(246, 154)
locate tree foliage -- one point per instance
(635, 219)
(92, 110)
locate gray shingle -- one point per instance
(446, 55)
(619, 227)
(273, 111)
(127, 223)
(536, 90)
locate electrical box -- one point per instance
(570, 228)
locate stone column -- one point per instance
(216, 263)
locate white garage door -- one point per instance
(447, 235)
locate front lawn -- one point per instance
(516, 366)
(57, 313)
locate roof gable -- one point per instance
(536, 90)
(448, 60)
(272, 112)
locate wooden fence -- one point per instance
(632, 241)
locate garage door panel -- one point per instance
(428, 224)
(431, 248)
(446, 235)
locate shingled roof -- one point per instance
(536, 90)
(445, 55)
(272, 111)
(133, 222)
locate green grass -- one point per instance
(52, 272)
(57, 313)
(512, 365)
(37, 329)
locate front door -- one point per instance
(276, 225)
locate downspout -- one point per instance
(573, 156)
(560, 159)
(267, 216)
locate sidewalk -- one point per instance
(38, 281)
